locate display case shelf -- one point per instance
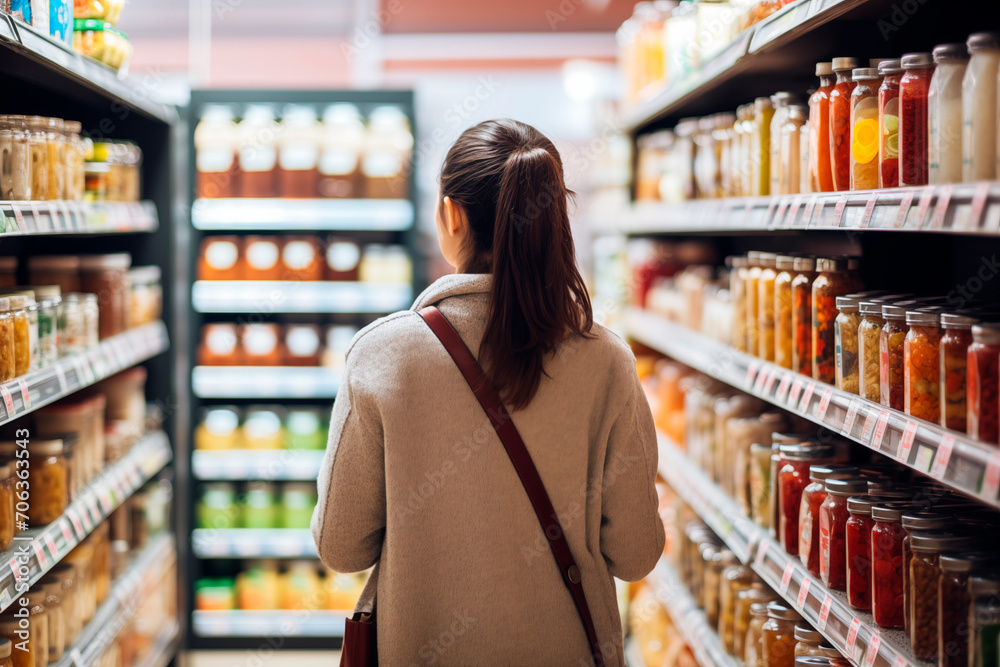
(826, 610)
(75, 372)
(253, 543)
(287, 296)
(124, 600)
(670, 591)
(266, 382)
(969, 209)
(42, 218)
(952, 458)
(283, 215)
(239, 623)
(256, 464)
(36, 550)
(163, 651)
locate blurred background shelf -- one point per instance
(272, 214)
(265, 382)
(256, 464)
(286, 296)
(267, 623)
(253, 543)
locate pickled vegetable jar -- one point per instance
(869, 329)
(820, 174)
(924, 574)
(944, 112)
(754, 270)
(915, 522)
(812, 498)
(783, 332)
(887, 566)
(834, 279)
(982, 376)
(778, 635)
(833, 515)
(922, 366)
(864, 129)
(793, 477)
(810, 643)
(765, 306)
(858, 551)
(913, 126)
(888, 123)
(734, 579)
(954, 348)
(760, 148)
(738, 295)
(805, 274)
(890, 349)
(955, 604)
(979, 108)
(745, 600)
(840, 123)
(846, 337)
(760, 484)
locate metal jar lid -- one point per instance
(986, 332)
(805, 264)
(791, 438)
(823, 472)
(824, 69)
(848, 303)
(807, 451)
(980, 41)
(785, 263)
(782, 612)
(766, 259)
(807, 633)
(864, 73)
(841, 64)
(957, 321)
(950, 53)
(938, 542)
(861, 505)
(873, 305)
(889, 67)
(964, 562)
(917, 61)
(831, 264)
(925, 317)
(846, 486)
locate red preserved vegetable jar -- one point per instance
(983, 379)
(888, 123)
(793, 477)
(922, 365)
(954, 361)
(833, 515)
(837, 277)
(805, 274)
(812, 497)
(887, 565)
(890, 348)
(840, 122)
(858, 551)
(913, 125)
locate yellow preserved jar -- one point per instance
(765, 306)
(734, 579)
(783, 333)
(846, 343)
(753, 652)
(49, 479)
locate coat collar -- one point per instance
(454, 284)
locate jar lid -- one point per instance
(848, 303)
(46, 447)
(985, 585)
(968, 561)
(891, 66)
(782, 612)
(758, 609)
(145, 275)
(790, 438)
(54, 262)
(807, 264)
(72, 126)
(957, 321)
(924, 317)
(823, 472)
(950, 53)
(806, 633)
(873, 305)
(864, 73)
(937, 542)
(5, 648)
(785, 263)
(888, 511)
(980, 41)
(917, 61)
(737, 261)
(4, 304)
(850, 486)
(806, 451)
(762, 103)
(824, 69)
(812, 661)
(986, 332)
(783, 98)
(753, 257)
(889, 489)
(117, 260)
(766, 259)
(861, 505)
(831, 264)
(924, 520)
(841, 64)
(897, 310)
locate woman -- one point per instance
(416, 479)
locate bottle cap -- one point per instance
(979, 41)
(950, 53)
(864, 73)
(890, 67)
(917, 61)
(841, 64)
(824, 69)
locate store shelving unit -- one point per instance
(255, 464)
(163, 651)
(305, 625)
(253, 543)
(19, 218)
(260, 215)
(284, 296)
(264, 382)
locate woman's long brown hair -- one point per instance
(509, 179)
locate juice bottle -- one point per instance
(913, 125)
(979, 108)
(820, 176)
(944, 111)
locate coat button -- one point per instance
(574, 574)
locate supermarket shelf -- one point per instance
(782, 572)
(264, 382)
(740, 57)
(253, 543)
(267, 623)
(73, 373)
(281, 215)
(287, 296)
(57, 58)
(690, 620)
(43, 547)
(25, 218)
(127, 594)
(163, 651)
(962, 464)
(256, 464)
(957, 209)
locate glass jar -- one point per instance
(792, 145)
(922, 366)
(107, 277)
(765, 305)
(15, 174)
(810, 643)
(6, 650)
(915, 521)
(735, 578)
(39, 628)
(869, 329)
(783, 332)
(845, 328)
(74, 160)
(706, 166)
(913, 125)
(713, 557)
(753, 653)
(955, 604)
(760, 484)
(49, 482)
(864, 129)
(944, 112)
(805, 274)
(793, 477)
(760, 151)
(52, 586)
(745, 599)
(738, 268)
(72, 326)
(954, 348)
(6, 505)
(10, 629)
(22, 335)
(979, 108)
(60, 270)
(890, 350)
(985, 621)
(858, 551)
(924, 575)
(840, 123)
(754, 270)
(833, 515)
(34, 344)
(983, 379)
(820, 174)
(7, 362)
(887, 566)
(778, 635)
(262, 258)
(38, 154)
(813, 496)
(738, 424)
(835, 279)
(55, 154)
(891, 72)
(66, 574)
(257, 136)
(779, 440)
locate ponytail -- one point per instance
(509, 179)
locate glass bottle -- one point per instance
(753, 653)
(890, 349)
(792, 143)
(979, 108)
(22, 334)
(735, 578)
(6, 505)
(765, 306)
(752, 285)
(915, 522)
(15, 172)
(813, 496)
(7, 363)
(837, 276)
(746, 161)
(858, 551)
(833, 515)
(804, 185)
(982, 377)
(745, 600)
(75, 154)
(781, 102)
(913, 125)
(778, 635)
(52, 585)
(820, 174)
(864, 129)
(55, 152)
(705, 164)
(954, 361)
(802, 283)
(846, 336)
(944, 113)
(258, 152)
(50, 471)
(38, 156)
(783, 332)
(887, 565)
(810, 643)
(760, 153)
(738, 268)
(39, 623)
(793, 477)
(869, 329)
(840, 122)
(922, 366)
(891, 72)
(985, 621)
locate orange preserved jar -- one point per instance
(840, 122)
(783, 332)
(753, 280)
(301, 259)
(955, 342)
(820, 174)
(107, 277)
(805, 274)
(921, 366)
(890, 350)
(765, 306)
(835, 279)
(262, 258)
(220, 258)
(261, 344)
(219, 345)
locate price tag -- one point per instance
(64, 527)
(88, 522)
(978, 205)
(926, 197)
(942, 457)
(866, 217)
(19, 216)
(748, 211)
(768, 219)
(793, 210)
(769, 385)
(880, 426)
(39, 550)
(807, 396)
(838, 211)
(93, 509)
(752, 369)
(5, 598)
(15, 569)
(74, 517)
(904, 208)
(68, 222)
(786, 382)
(758, 386)
(852, 415)
(25, 394)
(941, 209)
(800, 601)
(786, 576)
(824, 612)
(794, 392)
(906, 442)
(808, 213)
(852, 635)
(61, 376)
(824, 404)
(991, 479)
(779, 216)
(77, 658)
(105, 495)
(42, 221)
(761, 555)
(8, 400)
(866, 431)
(900, 661)
(872, 651)
(51, 544)
(815, 6)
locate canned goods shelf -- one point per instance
(249, 214)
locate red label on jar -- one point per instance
(852, 635)
(786, 576)
(906, 442)
(824, 612)
(800, 602)
(824, 550)
(943, 456)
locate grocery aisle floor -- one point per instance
(250, 658)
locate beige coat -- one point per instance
(414, 475)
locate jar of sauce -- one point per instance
(753, 650)
(891, 72)
(954, 348)
(887, 565)
(781, 102)
(783, 331)
(261, 344)
(220, 258)
(300, 259)
(765, 305)
(820, 174)
(813, 496)
(858, 551)
(258, 152)
(833, 515)
(737, 265)
(922, 365)
(760, 148)
(955, 603)
(343, 259)
(778, 635)
(891, 364)
(386, 161)
(840, 122)
(944, 112)
(38, 128)
(107, 277)
(793, 477)
(216, 142)
(837, 277)
(845, 328)
(262, 258)
(302, 345)
(15, 173)
(979, 108)
(925, 572)
(343, 138)
(61, 270)
(805, 274)
(913, 124)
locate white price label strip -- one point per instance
(786, 382)
(906, 442)
(761, 555)
(786, 576)
(752, 369)
(824, 404)
(795, 392)
(39, 550)
(852, 635)
(904, 208)
(866, 430)
(852, 415)
(824, 612)
(880, 426)
(8, 400)
(800, 602)
(943, 456)
(25, 394)
(807, 396)
(872, 651)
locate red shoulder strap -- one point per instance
(489, 399)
